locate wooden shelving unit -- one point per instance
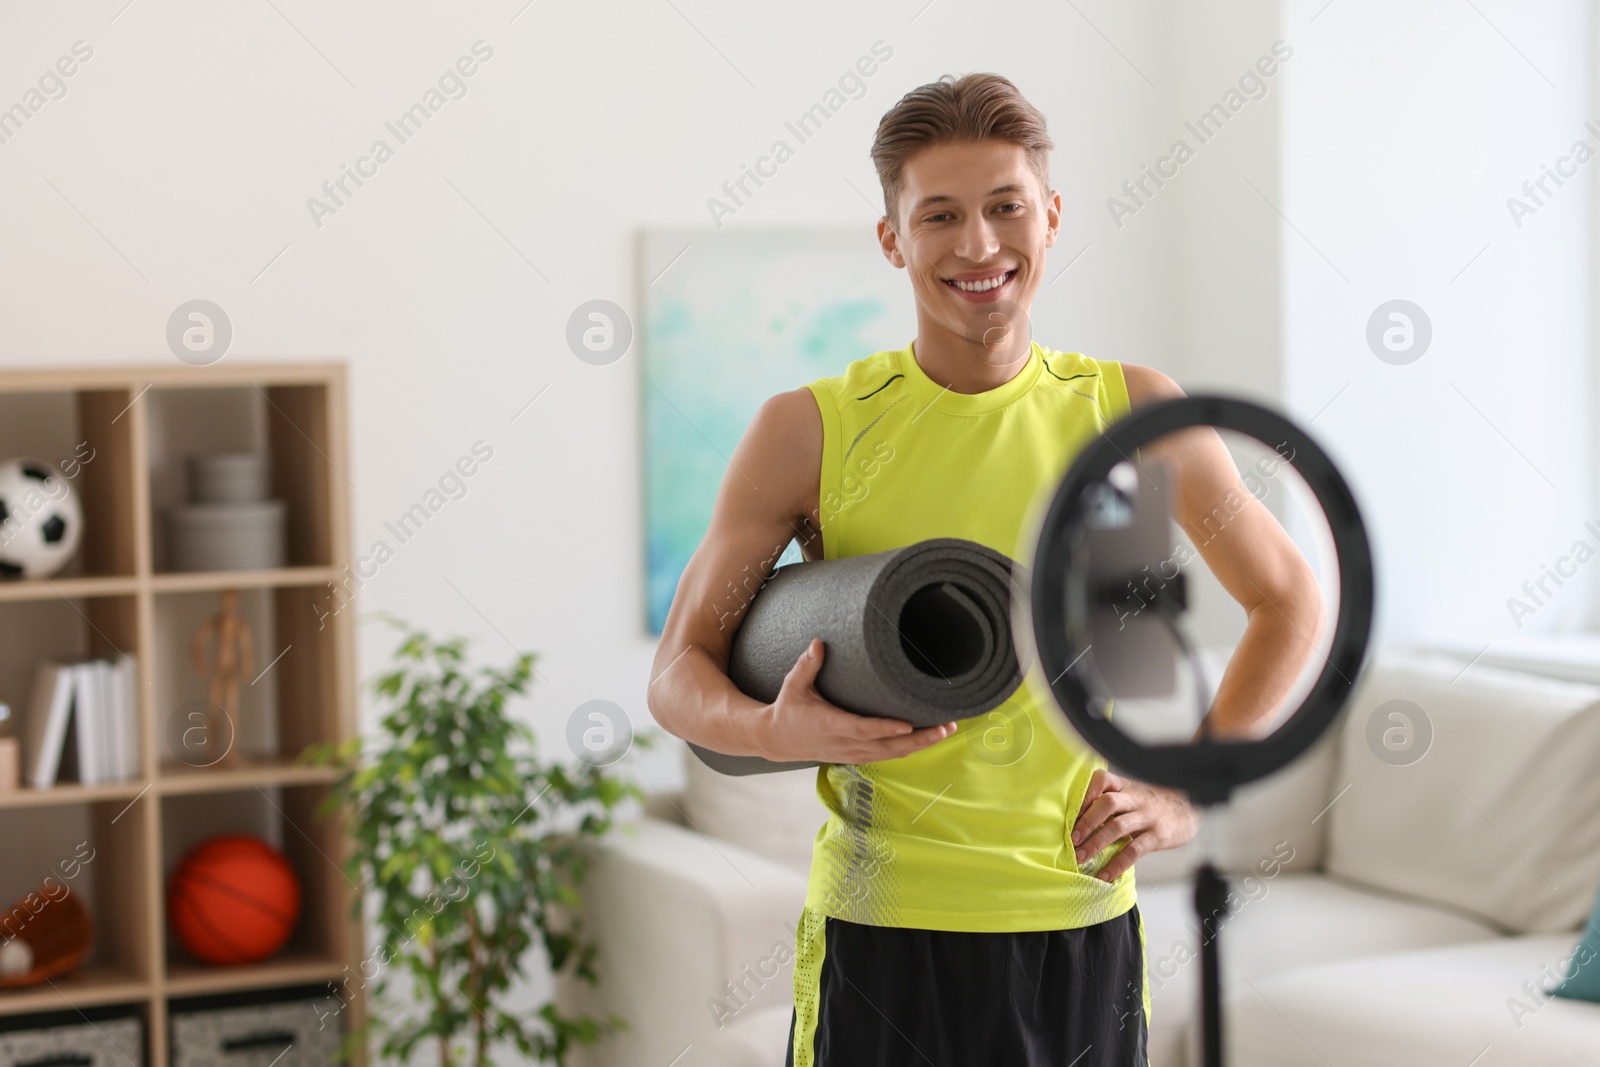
(118, 594)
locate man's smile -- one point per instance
(981, 287)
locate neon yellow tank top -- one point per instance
(974, 832)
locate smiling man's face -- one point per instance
(974, 226)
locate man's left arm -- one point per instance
(1258, 564)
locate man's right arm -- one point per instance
(762, 504)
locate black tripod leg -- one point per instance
(1210, 905)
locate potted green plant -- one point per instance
(471, 848)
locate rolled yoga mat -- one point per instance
(920, 633)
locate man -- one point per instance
(965, 905)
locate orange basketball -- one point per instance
(234, 899)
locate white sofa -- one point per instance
(1384, 913)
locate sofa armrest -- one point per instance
(692, 932)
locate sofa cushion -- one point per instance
(1287, 920)
(1500, 815)
(1481, 1004)
(773, 815)
(756, 1039)
(677, 918)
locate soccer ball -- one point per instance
(41, 519)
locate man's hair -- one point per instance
(955, 110)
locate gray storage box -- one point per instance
(292, 1028)
(228, 478)
(225, 537)
(109, 1042)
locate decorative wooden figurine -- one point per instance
(231, 658)
(10, 753)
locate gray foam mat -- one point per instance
(920, 633)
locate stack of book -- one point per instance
(83, 714)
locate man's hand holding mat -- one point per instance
(804, 729)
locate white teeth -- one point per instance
(983, 286)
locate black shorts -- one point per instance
(886, 996)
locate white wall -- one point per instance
(1406, 128)
(1227, 257)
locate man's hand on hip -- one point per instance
(1149, 817)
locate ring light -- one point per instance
(1208, 769)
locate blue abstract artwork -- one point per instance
(730, 318)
